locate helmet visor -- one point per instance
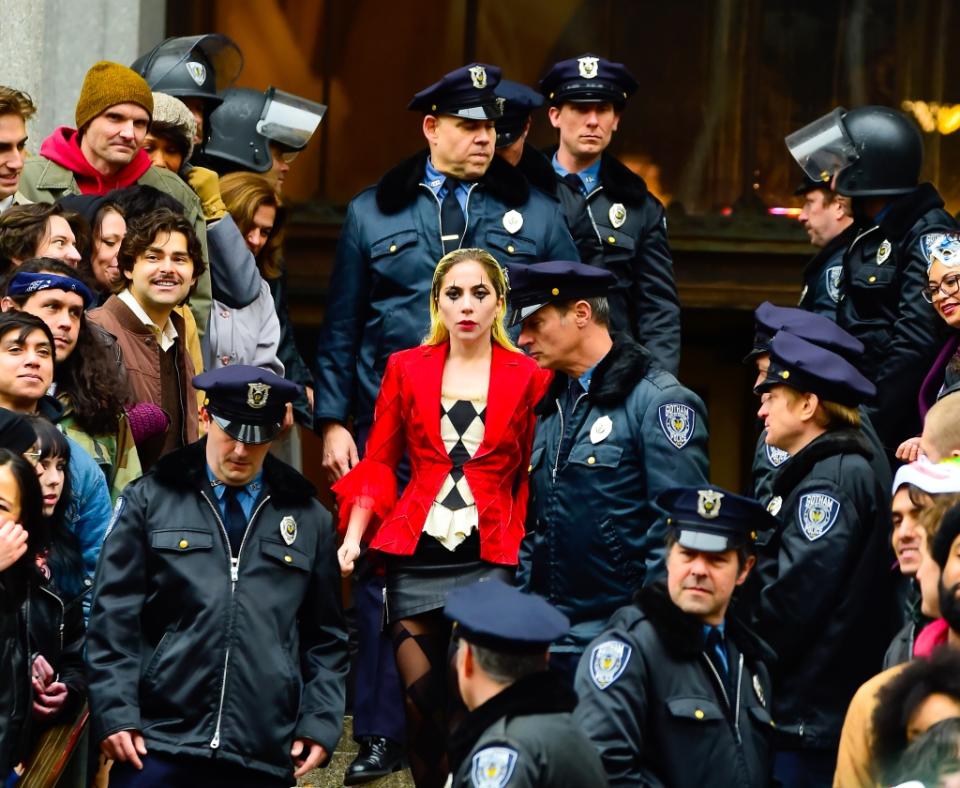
(823, 148)
(220, 52)
(289, 120)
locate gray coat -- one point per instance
(249, 335)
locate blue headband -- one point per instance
(27, 284)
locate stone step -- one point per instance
(342, 757)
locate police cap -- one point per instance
(519, 102)
(534, 286)
(467, 92)
(818, 329)
(248, 403)
(588, 78)
(810, 185)
(712, 520)
(804, 366)
(494, 615)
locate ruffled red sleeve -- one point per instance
(372, 483)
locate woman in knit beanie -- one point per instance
(169, 142)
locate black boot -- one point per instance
(377, 758)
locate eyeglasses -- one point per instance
(947, 286)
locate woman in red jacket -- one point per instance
(462, 407)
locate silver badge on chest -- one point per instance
(774, 506)
(512, 221)
(758, 690)
(883, 253)
(601, 429)
(617, 214)
(288, 530)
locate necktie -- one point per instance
(574, 182)
(236, 521)
(716, 652)
(452, 222)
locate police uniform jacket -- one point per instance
(626, 233)
(823, 274)
(594, 533)
(388, 249)
(525, 737)
(212, 656)
(827, 592)
(884, 274)
(658, 711)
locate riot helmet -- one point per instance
(872, 151)
(244, 125)
(192, 67)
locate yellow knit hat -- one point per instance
(107, 84)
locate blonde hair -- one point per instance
(498, 333)
(830, 415)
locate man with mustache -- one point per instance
(676, 691)
(160, 262)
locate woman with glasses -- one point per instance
(943, 291)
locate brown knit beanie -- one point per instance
(107, 84)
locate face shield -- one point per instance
(823, 148)
(196, 53)
(289, 120)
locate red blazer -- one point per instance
(407, 417)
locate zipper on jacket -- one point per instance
(863, 234)
(63, 612)
(726, 698)
(559, 443)
(593, 221)
(234, 577)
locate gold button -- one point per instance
(611, 239)
(785, 374)
(288, 559)
(872, 279)
(591, 460)
(184, 544)
(529, 468)
(555, 291)
(698, 714)
(393, 247)
(510, 248)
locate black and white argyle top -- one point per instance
(453, 516)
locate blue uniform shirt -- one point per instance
(247, 496)
(589, 178)
(434, 180)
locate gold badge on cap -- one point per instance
(588, 66)
(618, 215)
(512, 221)
(478, 75)
(288, 530)
(708, 503)
(257, 394)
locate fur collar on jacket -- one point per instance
(186, 469)
(617, 374)
(620, 184)
(401, 185)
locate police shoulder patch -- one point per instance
(776, 457)
(608, 660)
(817, 513)
(677, 422)
(493, 767)
(832, 280)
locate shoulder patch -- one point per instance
(776, 457)
(832, 280)
(677, 422)
(608, 660)
(117, 511)
(493, 767)
(817, 513)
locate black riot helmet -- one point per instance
(192, 67)
(244, 125)
(873, 151)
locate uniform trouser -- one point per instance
(161, 770)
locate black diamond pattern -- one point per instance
(460, 415)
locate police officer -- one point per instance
(513, 125)
(826, 589)
(873, 155)
(676, 690)
(216, 649)
(826, 218)
(614, 432)
(625, 229)
(819, 330)
(195, 69)
(519, 731)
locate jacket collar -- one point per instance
(536, 168)
(186, 469)
(538, 693)
(907, 209)
(503, 393)
(619, 183)
(131, 323)
(794, 470)
(682, 634)
(616, 375)
(835, 244)
(400, 187)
